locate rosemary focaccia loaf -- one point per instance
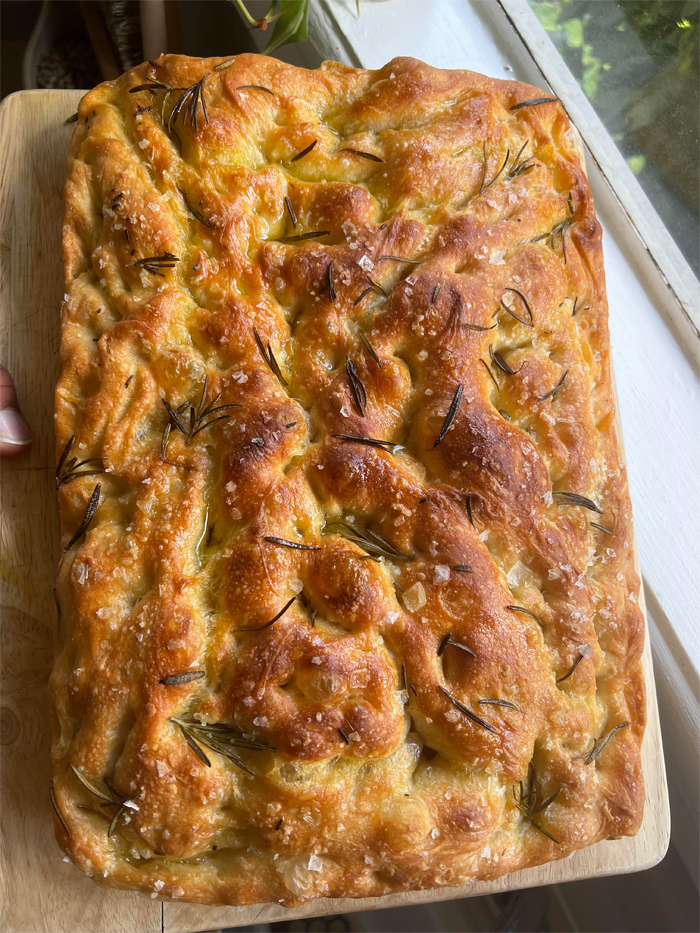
(347, 600)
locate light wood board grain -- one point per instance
(38, 891)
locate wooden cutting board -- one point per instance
(39, 891)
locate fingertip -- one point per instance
(15, 436)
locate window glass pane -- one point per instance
(637, 62)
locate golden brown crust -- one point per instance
(391, 770)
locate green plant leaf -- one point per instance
(636, 163)
(548, 15)
(574, 33)
(292, 25)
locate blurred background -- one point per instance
(637, 62)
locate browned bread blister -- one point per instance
(353, 610)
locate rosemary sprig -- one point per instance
(573, 498)
(290, 210)
(185, 677)
(304, 152)
(357, 387)
(188, 104)
(536, 100)
(269, 358)
(531, 322)
(219, 738)
(331, 289)
(198, 414)
(526, 801)
(560, 229)
(298, 237)
(462, 568)
(580, 657)
(222, 65)
(387, 446)
(466, 711)
(255, 87)
(436, 292)
(57, 811)
(272, 621)
(484, 184)
(73, 118)
(451, 415)
(154, 264)
(518, 167)
(599, 744)
(506, 704)
(602, 528)
(279, 823)
(365, 342)
(193, 210)
(498, 360)
(403, 683)
(448, 640)
(344, 736)
(364, 155)
(70, 469)
(87, 518)
(294, 545)
(526, 612)
(168, 428)
(504, 414)
(556, 390)
(366, 539)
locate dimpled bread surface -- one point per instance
(293, 662)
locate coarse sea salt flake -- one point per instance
(414, 598)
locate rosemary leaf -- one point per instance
(527, 613)
(282, 542)
(387, 446)
(504, 703)
(304, 152)
(255, 87)
(447, 640)
(466, 711)
(536, 100)
(87, 518)
(572, 498)
(555, 391)
(357, 387)
(581, 656)
(272, 621)
(451, 415)
(313, 235)
(186, 677)
(290, 209)
(364, 155)
(365, 342)
(57, 811)
(193, 210)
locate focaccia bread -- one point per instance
(347, 599)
